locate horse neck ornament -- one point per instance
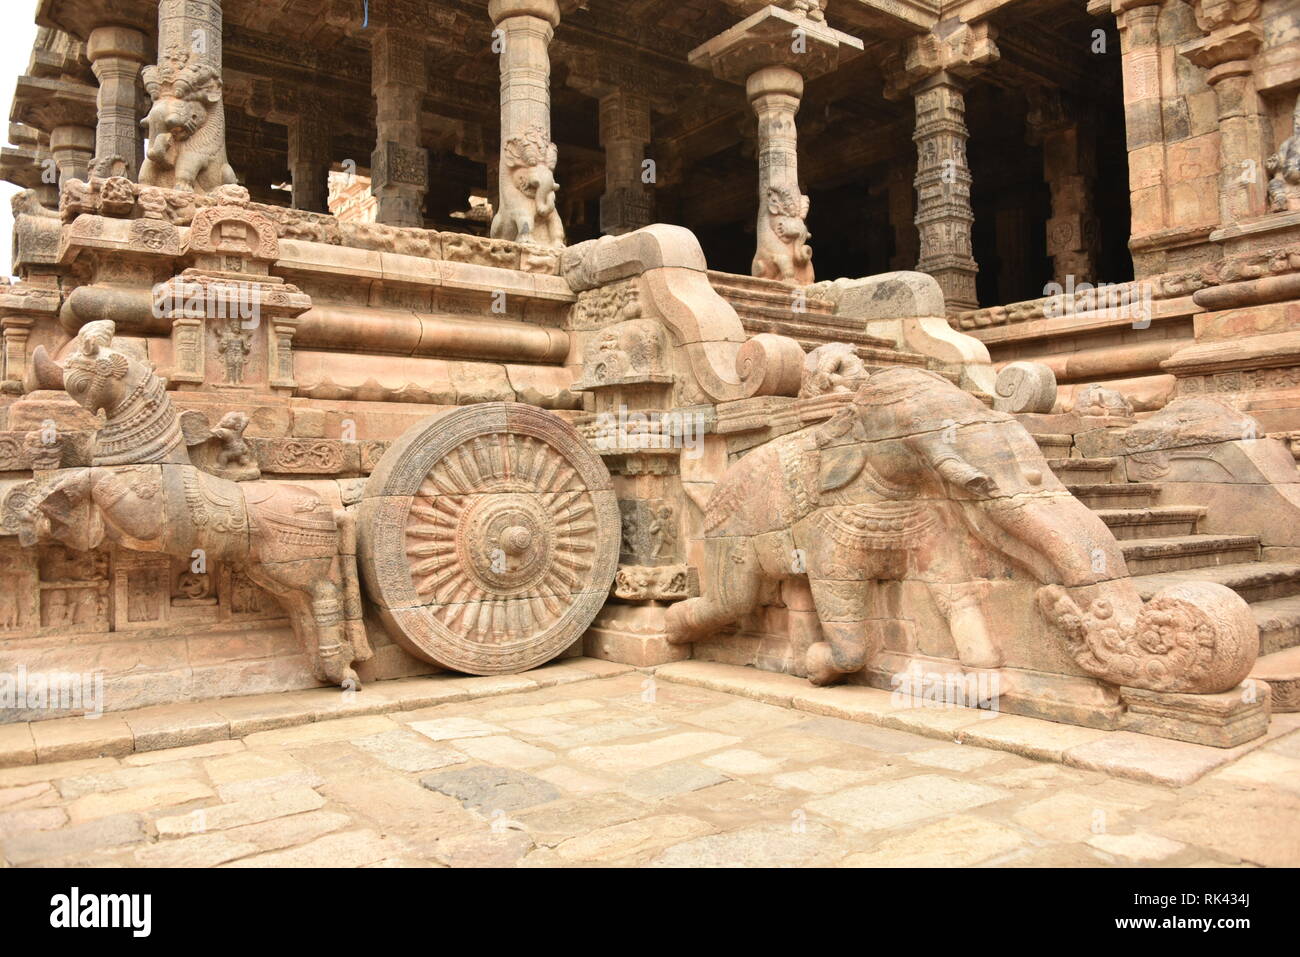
(142, 427)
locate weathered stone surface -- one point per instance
(487, 789)
(892, 803)
(956, 842)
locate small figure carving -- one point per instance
(1284, 168)
(783, 250)
(186, 128)
(1100, 401)
(234, 345)
(834, 367)
(528, 191)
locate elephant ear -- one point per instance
(841, 464)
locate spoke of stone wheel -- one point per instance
(469, 467)
(456, 475)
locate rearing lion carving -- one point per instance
(186, 128)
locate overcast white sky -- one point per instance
(17, 34)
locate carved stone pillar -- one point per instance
(1140, 55)
(309, 157)
(527, 209)
(628, 202)
(934, 72)
(188, 69)
(116, 55)
(1068, 140)
(774, 51)
(1233, 37)
(900, 198)
(399, 165)
(783, 253)
(72, 147)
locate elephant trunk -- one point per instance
(1053, 535)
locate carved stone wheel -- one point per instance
(489, 538)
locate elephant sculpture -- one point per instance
(783, 250)
(528, 191)
(879, 493)
(142, 492)
(186, 128)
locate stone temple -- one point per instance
(380, 344)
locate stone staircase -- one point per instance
(1162, 547)
(767, 305)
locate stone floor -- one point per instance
(632, 770)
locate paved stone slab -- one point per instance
(252, 811)
(148, 797)
(343, 729)
(1075, 815)
(906, 800)
(350, 849)
(1142, 848)
(632, 839)
(449, 728)
(487, 789)
(17, 747)
(402, 751)
(73, 739)
(764, 845)
(176, 726)
(667, 780)
(114, 831)
(960, 841)
(646, 754)
(505, 751)
(763, 686)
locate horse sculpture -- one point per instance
(143, 492)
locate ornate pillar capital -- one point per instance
(948, 59)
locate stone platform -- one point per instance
(696, 764)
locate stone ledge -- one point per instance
(1123, 754)
(198, 723)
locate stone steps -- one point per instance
(1084, 471)
(1279, 624)
(1147, 556)
(1152, 522)
(1055, 447)
(1253, 581)
(1281, 669)
(1116, 495)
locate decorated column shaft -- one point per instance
(773, 51)
(527, 209)
(624, 133)
(399, 165)
(1068, 139)
(187, 121)
(309, 157)
(116, 55)
(783, 250)
(943, 215)
(933, 70)
(1233, 37)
